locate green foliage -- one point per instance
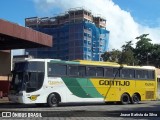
(145, 53)
(127, 56)
(127, 46)
(154, 58)
(144, 49)
(112, 56)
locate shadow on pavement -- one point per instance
(18, 105)
(139, 112)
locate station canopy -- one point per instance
(14, 36)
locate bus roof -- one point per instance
(88, 62)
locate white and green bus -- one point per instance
(55, 81)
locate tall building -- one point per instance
(77, 34)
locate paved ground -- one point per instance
(89, 111)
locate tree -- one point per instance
(145, 53)
(143, 49)
(155, 56)
(127, 56)
(112, 56)
(127, 46)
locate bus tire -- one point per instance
(135, 99)
(52, 100)
(125, 99)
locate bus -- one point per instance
(54, 81)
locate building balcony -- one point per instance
(31, 21)
(87, 31)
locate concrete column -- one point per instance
(5, 63)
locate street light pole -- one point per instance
(147, 58)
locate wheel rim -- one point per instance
(53, 100)
(125, 99)
(135, 99)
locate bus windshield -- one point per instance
(27, 76)
(17, 81)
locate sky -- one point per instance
(126, 19)
(144, 12)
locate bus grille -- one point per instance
(149, 94)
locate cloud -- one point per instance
(120, 23)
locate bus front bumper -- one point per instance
(16, 98)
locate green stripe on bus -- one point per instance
(92, 90)
(64, 62)
(74, 86)
(82, 87)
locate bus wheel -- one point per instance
(52, 100)
(135, 99)
(125, 99)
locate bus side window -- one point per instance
(57, 70)
(109, 72)
(151, 74)
(138, 74)
(127, 73)
(123, 73)
(100, 71)
(73, 70)
(131, 73)
(91, 71)
(141, 74)
(82, 71)
(116, 72)
(145, 74)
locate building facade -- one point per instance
(77, 34)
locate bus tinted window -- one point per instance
(91, 71)
(82, 70)
(127, 73)
(116, 72)
(142, 74)
(108, 72)
(57, 70)
(151, 74)
(145, 74)
(73, 70)
(36, 66)
(35, 81)
(100, 71)
(29, 66)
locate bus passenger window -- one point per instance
(123, 73)
(127, 73)
(145, 74)
(138, 74)
(132, 73)
(116, 72)
(91, 71)
(73, 70)
(141, 74)
(151, 74)
(100, 72)
(57, 70)
(109, 72)
(82, 71)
